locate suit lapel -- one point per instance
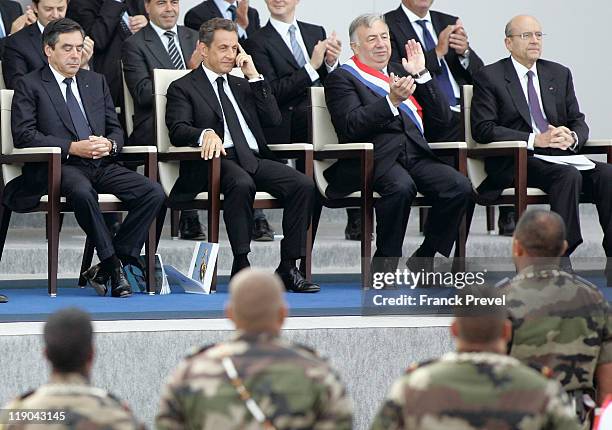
(55, 94)
(310, 40)
(405, 25)
(204, 87)
(87, 100)
(188, 44)
(5, 19)
(278, 44)
(212, 7)
(516, 91)
(235, 85)
(548, 92)
(36, 41)
(156, 46)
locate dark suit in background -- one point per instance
(288, 80)
(206, 10)
(193, 106)
(500, 112)
(40, 117)
(23, 53)
(403, 161)
(10, 11)
(402, 30)
(142, 53)
(101, 21)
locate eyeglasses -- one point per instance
(528, 35)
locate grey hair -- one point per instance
(508, 29)
(366, 20)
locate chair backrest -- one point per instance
(162, 78)
(128, 105)
(322, 133)
(475, 166)
(9, 171)
(2, 84)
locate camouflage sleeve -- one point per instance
(390, 416)
(337, 411)
(561, 414)
(605, 354)
(170, 415)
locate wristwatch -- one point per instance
(466, 54)
(114, 148)
(420, 74)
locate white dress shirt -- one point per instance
(40, 27)
(224, 8)
(227, 138)
(465, 62)
(165, 41)
(74, 87)
(283, 30)
(4, 31)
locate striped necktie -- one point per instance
(175, 56)
(298, 54)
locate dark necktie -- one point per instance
(444, 77)
(78, 118)
(534, 105)
(232, 9)
(175, 56)
(245, 155)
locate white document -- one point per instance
(580, 162)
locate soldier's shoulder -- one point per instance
(425, 364)
(199, 350)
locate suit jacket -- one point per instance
(500, 112)
(23, 53)
(143, 52)
(401, 30)
(10, 11)
(361, 115)
(192, 106)
(206, 10)
(101, 21)
(289, 82)
(40, 117)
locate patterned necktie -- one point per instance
(175, 56)
(444, 77)
(246, 158)
(78, 118)
(232, 10)
(298, 54)
(534, 105)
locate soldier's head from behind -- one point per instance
(539, 239)
(68, 336)
(49, 10)
(163, 13)
(256, 303)
(63, 41)
(218, 45)
(370, 40)
(481, 322)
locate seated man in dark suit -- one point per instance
(224, 115)
(9, 12)
(239, 11)
(23, 50)
(161, 44)
(526, 98)
(64, 106)
(369, 100)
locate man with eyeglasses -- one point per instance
(529, 99)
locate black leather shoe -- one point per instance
(505, 222)
(352, 231)
(120, 287)
(294, 281)
(262, 232)
(97, 279)
(3, 298)
(190, 227)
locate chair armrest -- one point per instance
(448, 145)
(346, 147)
(39, 150)
(43, 154)
(291, 147)
(138, 149)
(501, 144)
(598, 142)
(497, 149)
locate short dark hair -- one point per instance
(57, 27)
(207, 29)
(479, 323)
(68, 338)
(541, 233)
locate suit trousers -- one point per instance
(564, 184)
(449, 191)
(81, 183)
(292, 188)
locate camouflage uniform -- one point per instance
(471, 391)
(85, 407)
(560, 321)
(294, 388)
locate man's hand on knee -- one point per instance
(212, 145)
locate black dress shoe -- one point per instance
(120, 287)
(97, 279)
(190, 227)
(352, 231)
(3, 298)
(262, 232)
(294, 281)
(505, 222)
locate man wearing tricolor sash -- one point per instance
(390, 105)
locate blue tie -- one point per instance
(298, 54)
(232, 9)
(444, 76)
(78, 118)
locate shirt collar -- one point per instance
(40, 26)
(160, 31)
(413, 17)
(59, 77)
(283, 27)
(212, 76)
(223, 5)
(521, 70)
